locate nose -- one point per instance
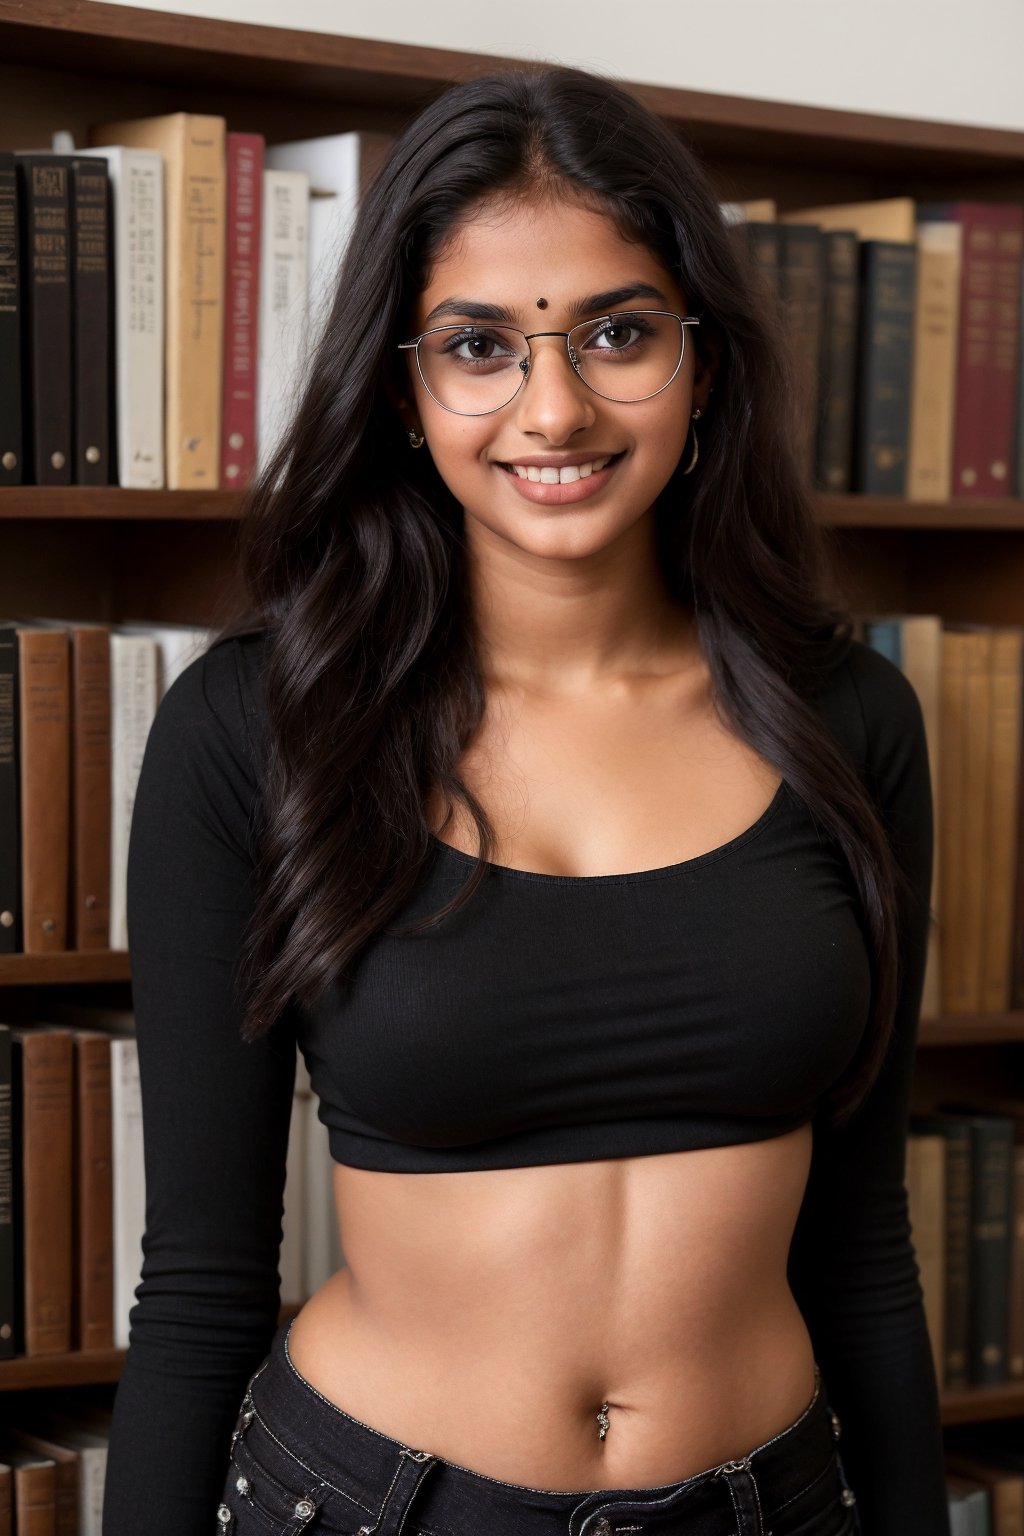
(554, 402)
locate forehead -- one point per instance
(511, 253)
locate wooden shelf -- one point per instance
(970, 1405)
(123, 44)
(113, 503)
(972, 1029)
(80, 1368)
(71, 966)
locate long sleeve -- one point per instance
(215, 1116)
(852, 1264)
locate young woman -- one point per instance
(545, 801)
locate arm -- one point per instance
(852, 1264)
(215, 1117)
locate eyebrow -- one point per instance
(594, 303)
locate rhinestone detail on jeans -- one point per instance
(304, 1508)
(224, 1515)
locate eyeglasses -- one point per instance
(474, 369)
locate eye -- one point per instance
(617, 333)
(478, 347)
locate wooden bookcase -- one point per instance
(110, 554)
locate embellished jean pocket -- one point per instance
(824, 1507)
(270, 1491)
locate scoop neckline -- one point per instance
(627, 877)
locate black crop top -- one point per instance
(552, 1019)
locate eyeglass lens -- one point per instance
(473, 369)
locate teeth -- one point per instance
(549, 475)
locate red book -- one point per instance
(987, 351)
(241, 307)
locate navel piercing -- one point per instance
(604, 1421)
(542, 303)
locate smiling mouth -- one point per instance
(549, 474)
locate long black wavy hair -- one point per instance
(352, 555)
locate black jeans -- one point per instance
(299, 1462)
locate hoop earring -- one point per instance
(696, 450)
(415, 441)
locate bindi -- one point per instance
(542, 303)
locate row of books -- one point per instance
(72, 1215)
(969, 679)
(904, 320)
(161, 290)
(77, 701)
(985, 1483)
(53, 1468)
(965, 1185)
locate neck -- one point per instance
(571, 626)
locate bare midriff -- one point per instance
(489, 1316)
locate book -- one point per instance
(284, 305)
(245, 161)
(12, 448)
(44, 784)
(193, 147)
(987, 344)
(933, 392)
(41, 1081)
(136, 178)
(44, 217)
(884, 362)
(91, 321)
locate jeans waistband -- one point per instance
(384, 1475)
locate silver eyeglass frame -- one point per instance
(525, 363)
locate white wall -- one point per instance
(945, 59)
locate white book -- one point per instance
(137, 243)
(91, 1445)
(177, 646)
(333, 164)
(133, 703)
(127, 1155)
(284, 305)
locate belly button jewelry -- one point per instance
(604, 1421)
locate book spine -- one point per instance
(802, 285)
(45, 783)
(42, 1075)
(195, 244)
(35, 1498)
(94, 1196)
(90, 787)
(884, 362)
(958, 1253)
(933, 392)
(46, 265)
(12, 447)
(991, 1209)
(993, 234)
(839, 362)
(8, 1287)
(1003, 797)
(10, 816)
(91, 319)
(1015, 1362)
(245, 155)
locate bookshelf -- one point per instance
(108, 554)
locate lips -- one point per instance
(553, 485)
(560, 474)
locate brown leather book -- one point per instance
(90, 787)
(933, 390)
(41, 1082)
(93, 1199)
(194, 200)
(6, 1499)
(35, 1491)
(45, 783)
(926, 1196)
(66, 1478)
(966, 723)
(1006, 680)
